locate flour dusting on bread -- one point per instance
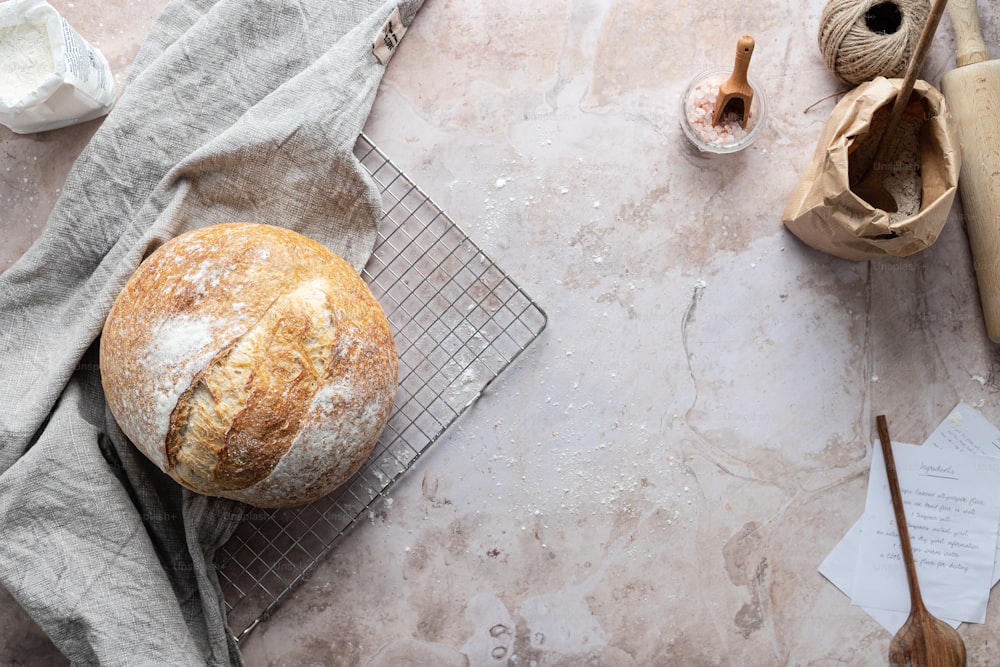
(250, 362)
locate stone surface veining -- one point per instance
(657, 479)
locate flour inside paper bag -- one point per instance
(900, 173)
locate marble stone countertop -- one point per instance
(657, 478)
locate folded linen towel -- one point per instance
(232, 111)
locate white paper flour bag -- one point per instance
(50, 77)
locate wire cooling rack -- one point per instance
(458, 321)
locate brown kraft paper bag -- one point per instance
(825, 214)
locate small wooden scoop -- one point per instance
(923, 641)
(869, 187)
(735, 94)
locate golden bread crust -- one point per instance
(250, 362)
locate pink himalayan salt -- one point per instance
(701, 108)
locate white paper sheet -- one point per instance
(952, 513)
(839, 567)
(967, 431)
(964, 430)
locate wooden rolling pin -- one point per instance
(972, 91)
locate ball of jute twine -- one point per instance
(863, 39)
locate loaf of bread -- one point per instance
(250, 362)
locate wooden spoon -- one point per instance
(923, 641)
(869, 187)
(735, 93)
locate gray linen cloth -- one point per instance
(233, 110)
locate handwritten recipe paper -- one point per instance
(966, 432)
(952, 513)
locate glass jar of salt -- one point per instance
(698, 109)
(50, 76)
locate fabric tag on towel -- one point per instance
(385, 42)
